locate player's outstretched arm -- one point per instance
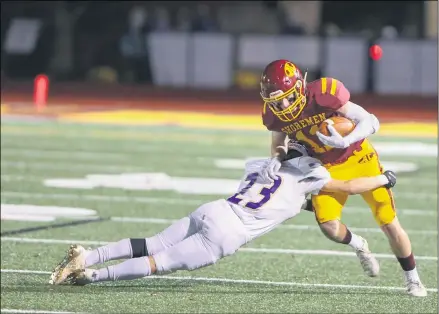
(362, 184)
(278, 144)
(278, 153)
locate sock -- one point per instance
(356, 242)
(353, 240)
(128, 270)
(412, 275)
(112, 251)
(408, 265)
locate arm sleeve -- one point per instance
(366, 123)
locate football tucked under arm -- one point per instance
(366, 123)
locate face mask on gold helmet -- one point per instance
(283, 89)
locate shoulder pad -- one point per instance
(330, 93)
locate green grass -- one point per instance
(32, 152)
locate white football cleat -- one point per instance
(416, 289)
(81, 277)
(74, 260)
(369, 263)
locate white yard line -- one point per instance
(152, 220)
(26, 271)
(422, 195)
(177, 201)
(109, 198)
(248, 250)
(404, 211)
(68, 166)
(71, 169)
(33, 311)
(164, 221)
(136, 137)
(245, 281)
(60, 154)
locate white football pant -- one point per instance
(210, 233)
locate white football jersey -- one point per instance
(262, 206)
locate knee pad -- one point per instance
(138, 247)
(384, 214)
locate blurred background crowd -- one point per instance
(107, 40)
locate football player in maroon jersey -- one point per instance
(294, 109)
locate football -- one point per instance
(343, 125)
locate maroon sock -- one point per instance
(407, 263)
(348, 237)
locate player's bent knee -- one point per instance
(384, 215)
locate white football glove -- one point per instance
(269, 173)
(335, 140)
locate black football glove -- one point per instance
(391, 176)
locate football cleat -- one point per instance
(74, 260)
(81, 277)
(416, 289)
(369, 263)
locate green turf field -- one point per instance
(292, 269)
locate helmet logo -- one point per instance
(289, 69)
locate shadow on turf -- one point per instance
(189, 288)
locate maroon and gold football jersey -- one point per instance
(325, 97)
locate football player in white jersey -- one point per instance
(219, 228)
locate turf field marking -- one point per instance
(62, 154)
(395, 149)
(163, 221)
(426, 182)
(52, 226)
(177, 201)
(286, 226)
(109, 198)
(25, 271)
(68, 167)
(431, 183)
(249, 250)
(118, 135)
(33, 311)
(244, 281)
(208, 120)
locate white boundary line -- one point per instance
(159, 221)
(60, 165)
(14, 177)
(245, 281)
(180, 201)
(115, 198)
(67, 166)
(9, 216)
(33, 311)
(15, 154)
(248, 250)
